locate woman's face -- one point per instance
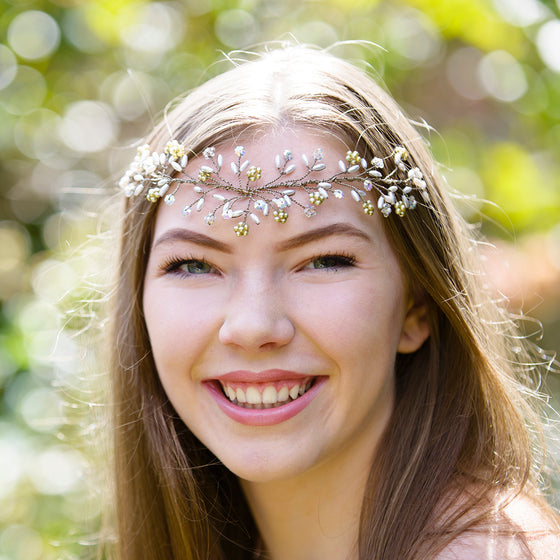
(277, 349)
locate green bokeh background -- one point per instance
(82, 80)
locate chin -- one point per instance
(262, 467)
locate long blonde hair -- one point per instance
(460, 416)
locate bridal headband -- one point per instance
(160, 175)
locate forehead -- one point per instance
(263, 151)
(262, 148)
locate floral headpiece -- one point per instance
(245, 198)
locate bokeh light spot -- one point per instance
(67, 359)
(414, 37)
(236, 28)
(73, 185)
(52, 279)
(35, 134)
(19, 542)
(462, 72)
(12, 459)
(157, 29)
(182, 72)
(41, 409)
(78, 31)
(317, 32)
(198, 7)
(132, 95)
(502, 76)
(26, 92)
(521, 12)
(548, 43)
(57, 470)
(38, 316)
(8, 66)
(14, 246)
(33, 35)
(88, 126)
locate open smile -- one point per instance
(274, 398)
(265, 395)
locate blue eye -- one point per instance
(330, 262)
(195, 267)
(187, 267)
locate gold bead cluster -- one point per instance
(174, 149)
(241, 229)
(316, 198)
(353, 158)
(254, 173)
(280, 216)
(369, 207)
(204, 175)
(400, 208)
(153, 194)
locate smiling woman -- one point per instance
(305, 364)
(286, 312)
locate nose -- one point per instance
(256, 317)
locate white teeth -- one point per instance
(270, 395)
(283, 394)
(253, 396)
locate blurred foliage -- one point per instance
(79, 78)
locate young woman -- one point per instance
(305, 364)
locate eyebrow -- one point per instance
(320, 233)
(186, 235)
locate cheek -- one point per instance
(178, 327)
(356, 319)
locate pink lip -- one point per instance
(267, 376)
(266, 416)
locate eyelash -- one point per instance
(173, 265)
(340, 260)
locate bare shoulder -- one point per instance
(533, 534)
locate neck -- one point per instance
(314, 516)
